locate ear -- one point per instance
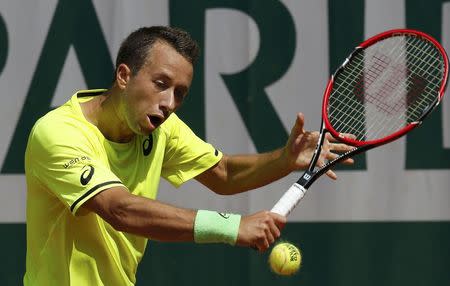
(123, 74)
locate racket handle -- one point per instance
(289, 200)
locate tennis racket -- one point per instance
(387, 86)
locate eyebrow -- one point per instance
(163, 75)
(184, 88)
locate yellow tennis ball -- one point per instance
(285, 259)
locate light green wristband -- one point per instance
(213, 227)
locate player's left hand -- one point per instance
(302, 144)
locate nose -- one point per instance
(167, 103)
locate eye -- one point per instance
(160, 84)
(180, 94)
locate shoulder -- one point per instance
(53, 125)
(68, 118)
(172, 122)
(57, 128)
(174, 125)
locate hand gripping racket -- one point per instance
(386, 87)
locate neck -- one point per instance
(104, 112)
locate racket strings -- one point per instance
(355, 127)
(352, 73)
(385, 87)
(380, 105)
(413, 88)
(379, 102)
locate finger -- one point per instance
(331, 174)
(330, 156)
(330, 138)
(348, 136)
(279, 220)
(340, 147)
(270, 237)
(263, 245)
(274, 230)
(348, 161)
(299, 124)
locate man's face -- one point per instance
(157, 90)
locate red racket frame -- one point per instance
(408, 127)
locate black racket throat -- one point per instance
(310, 175)
(313, 172)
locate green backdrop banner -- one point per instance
(334, 254)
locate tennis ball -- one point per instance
(285, 259)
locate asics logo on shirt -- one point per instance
(86, 175)
(147, 145)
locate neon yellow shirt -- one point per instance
(68, 161)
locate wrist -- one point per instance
(285, 160)
(214, 227)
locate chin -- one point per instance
(143, 130)
(146, 132)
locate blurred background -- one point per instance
(386, 221)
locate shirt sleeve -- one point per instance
(64, 159)
(186, 155)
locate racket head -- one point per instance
(385, 88)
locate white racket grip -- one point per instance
(289, 200)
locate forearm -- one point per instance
(177, 225)
(156, 220)
(246, 172)
(160, 221)
(144, 217)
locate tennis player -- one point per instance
(93, 167)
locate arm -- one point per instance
(145, 217)
(240, 173)
(160, 221)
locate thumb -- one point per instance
(299, 124)
(296, 131)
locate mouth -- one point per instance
(155, 120)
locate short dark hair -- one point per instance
(135, 48)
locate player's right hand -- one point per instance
(260, 230)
